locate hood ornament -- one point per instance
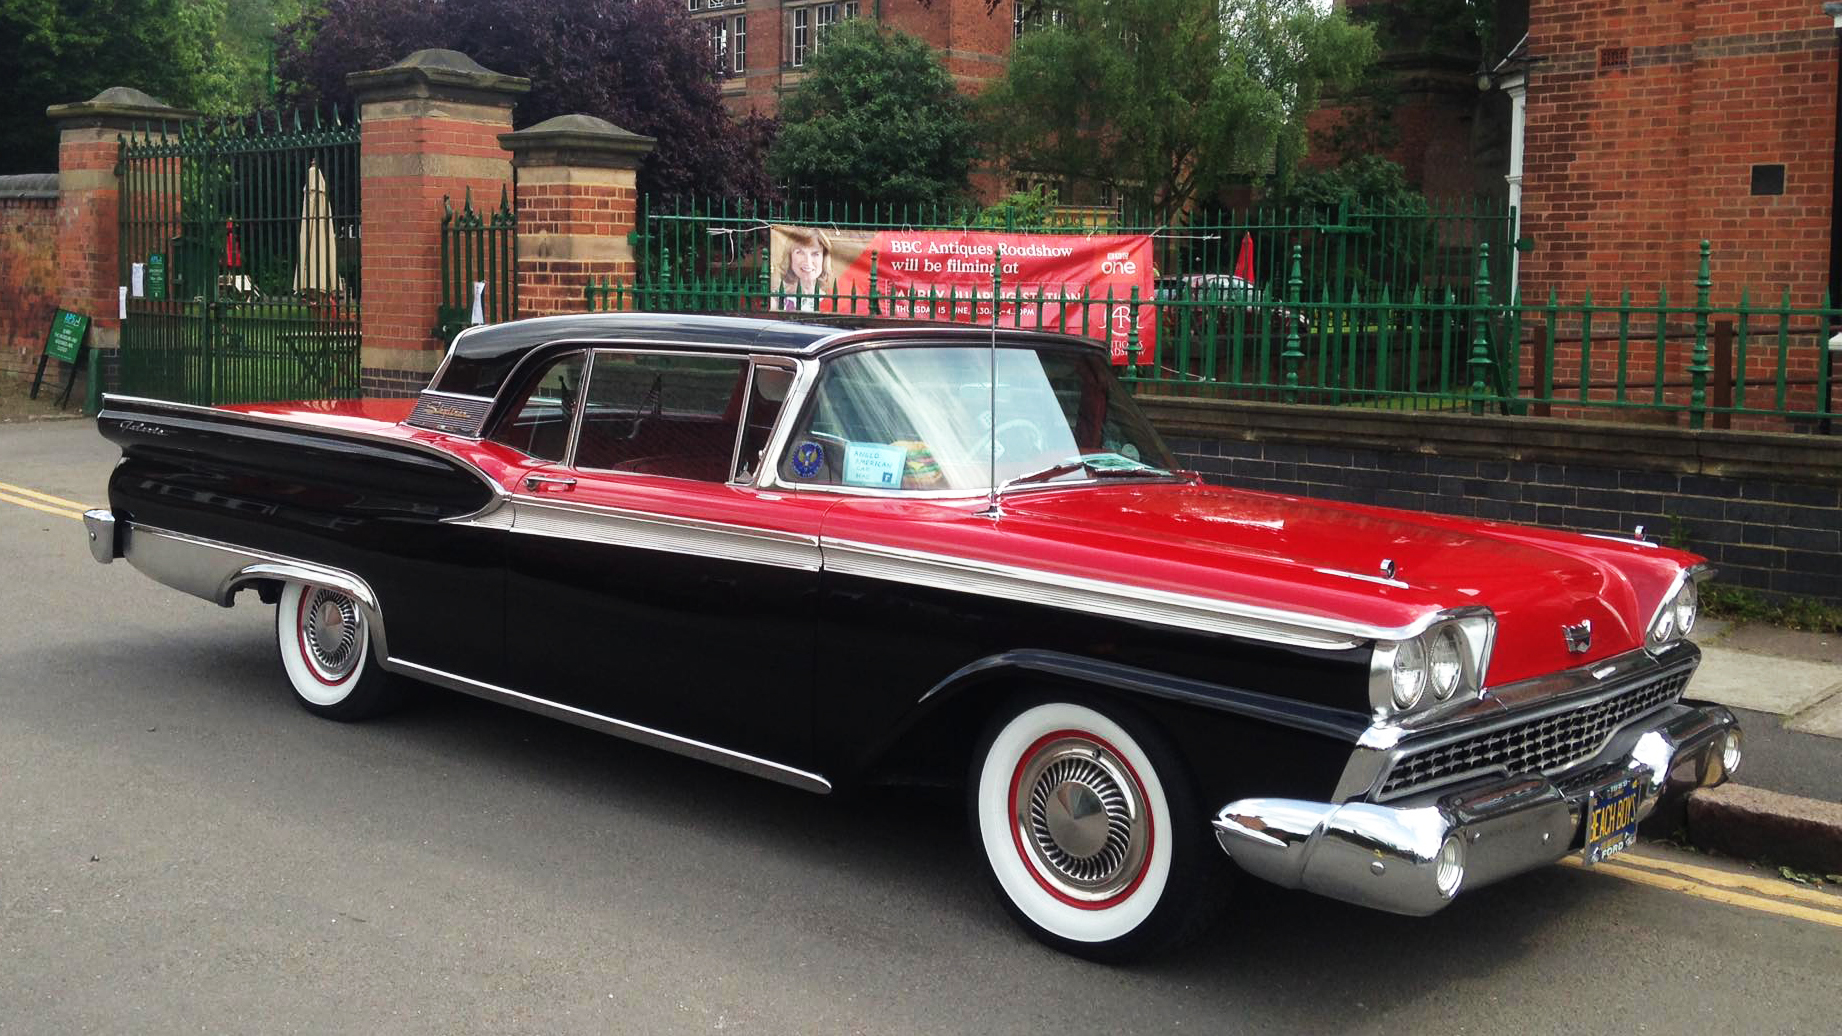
(1579, 636)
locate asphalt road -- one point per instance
(182, 849)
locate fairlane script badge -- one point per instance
(1579, 637)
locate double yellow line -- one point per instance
(45, 502)
(1766, 895)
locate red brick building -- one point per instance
(762, 46)
(1649, 126)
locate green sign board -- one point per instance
(65, 342)
(156, 276)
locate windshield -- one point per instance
(921, 418)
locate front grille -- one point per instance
(443, 412)
(1546, 744)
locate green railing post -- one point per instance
(1293, 355)
(1480, 327)
(1132, 344)
(1698, 366)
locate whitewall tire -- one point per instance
(324, 637)
(1083, 824)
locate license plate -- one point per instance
(1611, 819)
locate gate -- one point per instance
(239, 243)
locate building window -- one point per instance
(802, 35)
(1027, 16)
(692, 5)
(1767, 180)
(719, 43)
(850, 9)
(738, 44)
(827, 15)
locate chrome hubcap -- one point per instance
(1082, 819)
(330, 628)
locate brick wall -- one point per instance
(28, 272)
(1644, 123)
(570, 212)
(1763, 508)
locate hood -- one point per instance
(1327, 558)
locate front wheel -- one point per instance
(1086, 825)
(325, 643)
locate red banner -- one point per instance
(947, 275)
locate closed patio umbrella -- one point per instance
(315, 270)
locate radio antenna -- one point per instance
(992, 510)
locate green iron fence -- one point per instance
(239, 240)
(721, 244)
(1734, 365)
(479, 258)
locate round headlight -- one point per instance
(1446, 662)
(1665, 629)
(1687, 605)
(1409, 673)
(1449, 872)
(1731, 752)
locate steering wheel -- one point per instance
(1016, 433)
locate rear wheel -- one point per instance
(1089, 831)
(325, 644)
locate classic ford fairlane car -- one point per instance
(851, 552)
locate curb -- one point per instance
(1755, 824)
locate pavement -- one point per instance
(1784, 804)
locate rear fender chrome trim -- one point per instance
(215, 571)
(742, 761)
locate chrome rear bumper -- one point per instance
(100, 525)
(1387, 857)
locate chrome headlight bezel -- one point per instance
(1683, 599)
(1470, 630)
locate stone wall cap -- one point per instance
(29, 185)
(577, 132)
(119, 102)
(437, 68)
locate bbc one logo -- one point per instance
(1119, 263)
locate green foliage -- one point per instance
(1739, 604)
(876, 120)
(1169, 99)
(211, 55)
(1019, 209)
(1375, 181)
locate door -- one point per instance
(648, 580)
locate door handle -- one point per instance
(535, 482)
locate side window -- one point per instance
(663, 414)
(539, 425)
(767, 395)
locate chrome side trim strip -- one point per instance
(750, 764)
(1096, 597)
(647, 531)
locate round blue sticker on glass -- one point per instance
(808, 458)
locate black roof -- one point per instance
(481, 359)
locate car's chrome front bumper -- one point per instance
(1387, 856)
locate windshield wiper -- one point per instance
(1083, 464)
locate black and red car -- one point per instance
(833, 554)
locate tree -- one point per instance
(58, 51)
(640, 64)
(1168, 99)
(876, 120)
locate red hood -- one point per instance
(1320, 558)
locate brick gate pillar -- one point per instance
(428, 127)
(89, 259)
(576, 206)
